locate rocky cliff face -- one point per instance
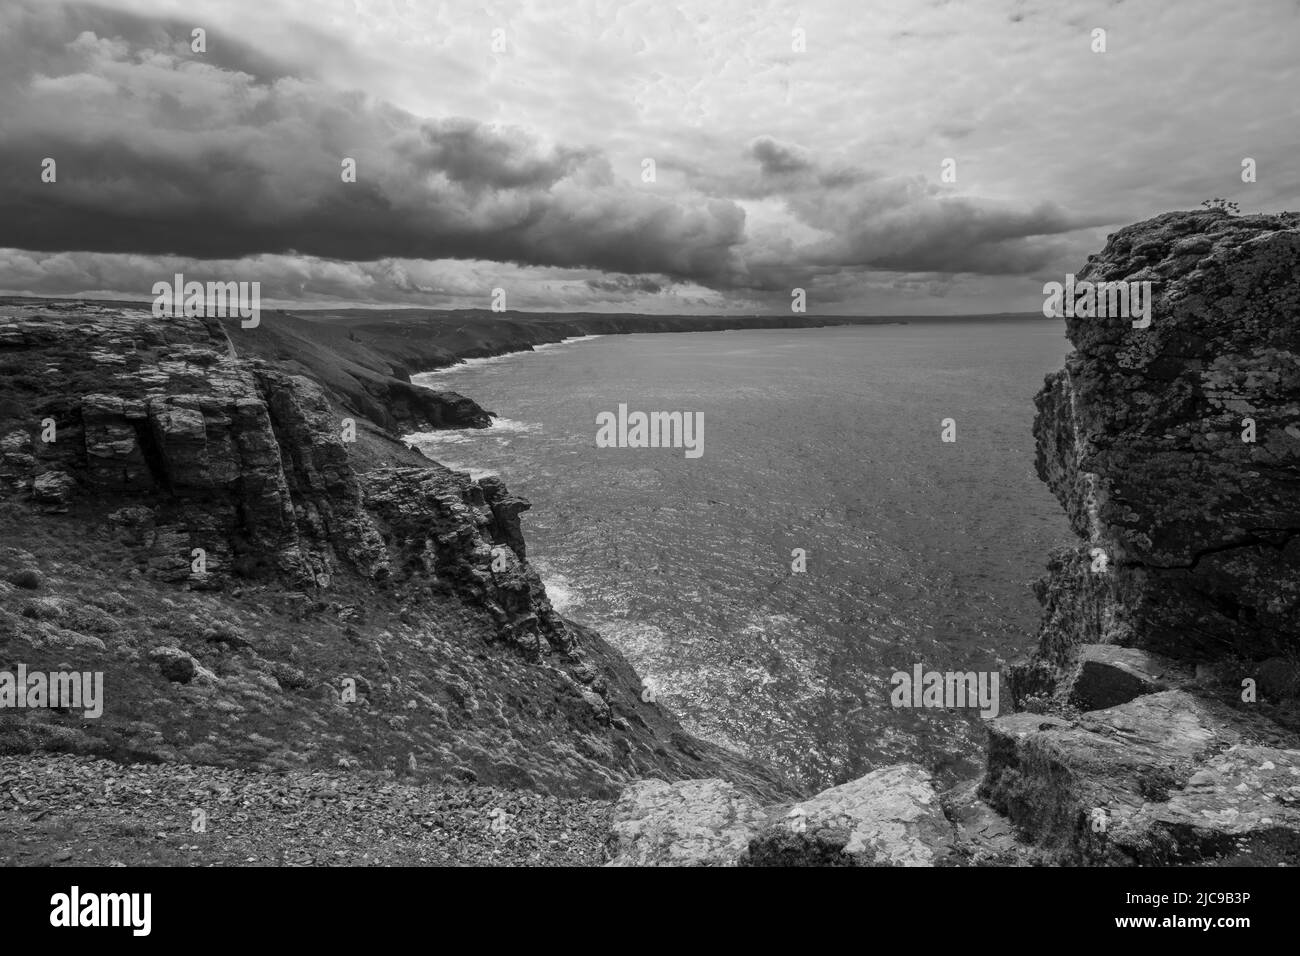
(260, 589)
(1164, 683)
(1141, 438)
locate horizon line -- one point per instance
(429, 308)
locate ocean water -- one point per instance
(918, 551)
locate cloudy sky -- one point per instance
(506, 145)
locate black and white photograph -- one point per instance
(658, 434)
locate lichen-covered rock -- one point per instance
(175, 664)
(1175, 448)
(53, 489)
(1245, 800)
(890, 817)
(687, 823)
(1107, 675)
(1146, 782)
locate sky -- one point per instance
(589, 155)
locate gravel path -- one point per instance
(78, 811)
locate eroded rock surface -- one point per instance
(688, 823)
(1141, 438)
(890, 817)
(1166, 778)
(1163, 712)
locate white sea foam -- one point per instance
(473, 472)
(433, 444)
(450, 437)
(508, 426)
(551, 346)
(431, 379)
(500, 429)
(564, 598)
(427, 379)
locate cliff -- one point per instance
(1163, 689)
(1158, 713)
(1175, 449)
(267, 582)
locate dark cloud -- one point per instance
(166, 152)
(776, 158)
(947, 235)
(626, 284)
(472, 155)
(236, 153)
(905, 224)
(785, 168)
(36, 35)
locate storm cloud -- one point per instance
(523, 166)
(162, 151)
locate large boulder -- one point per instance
(1106, 675)
(1166, 778)
(890, 817)
(687, 823)
(175, 664)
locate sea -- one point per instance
(826, 539)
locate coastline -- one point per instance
(1153, 651)
(462, 364)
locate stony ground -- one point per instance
(60, 810)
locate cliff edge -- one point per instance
(1161, 701)
(1175, 449)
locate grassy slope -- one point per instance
(435, 686)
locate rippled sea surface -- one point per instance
(918, 551)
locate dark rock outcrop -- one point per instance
(235, 459)
(441, 525)
(276, 594)
(1107, 675)
(1175, 450)
(1193, 531)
